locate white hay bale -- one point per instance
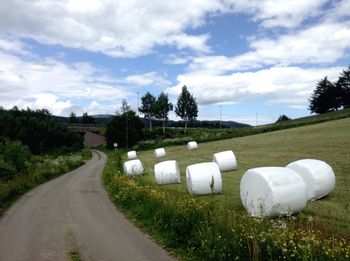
(272, 191)
(318, 176)
(133, 167)
(167, 172)
(203, 178)
(226, 160)
(159, 153)
(132, 155)
(192, 145)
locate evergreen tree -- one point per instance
(147, 108)
(326, 97)
(162, 107)
(343, 84)
(186, 107)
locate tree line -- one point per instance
(331, 96)
(125, 129)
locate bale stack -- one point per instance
(167, 172)
(226, 160)
(203, 179)
(192, 145)
(272, 191)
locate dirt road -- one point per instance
(70, 213)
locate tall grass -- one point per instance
(197, 228)
(41, 169)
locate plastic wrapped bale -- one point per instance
(226, 160)
(192, 145)
(203, 179)
(132, 155)
(318, 176)
(167, 172)
(159, 153)
(273, 191)
(133, 167)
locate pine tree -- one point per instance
(326, 97)
(186, 107)
(73, 118)
(343, 84)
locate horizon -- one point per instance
(252, 61)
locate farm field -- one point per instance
(328, 141)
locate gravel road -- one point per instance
(73, 213)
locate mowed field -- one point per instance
(328, 141)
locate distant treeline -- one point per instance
(104, 119)
(39, 130)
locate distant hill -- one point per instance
(104, 118)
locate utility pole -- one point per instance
(256, 119)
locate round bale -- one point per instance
(132, 155)
(272, 191)
(159, 153)
(203, 179)
(318, 176)
(192, 145)
(133, 167)
(167, 172)
(226, 160)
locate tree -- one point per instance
(326, 97)
(87, 119)
(125, 106)
(343, 84)
(148, 101)
(186, 107)
(73, 118)
(282, 118)
(162, 107)
(125, 137)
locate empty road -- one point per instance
(73, 213)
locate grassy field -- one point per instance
(328, 141)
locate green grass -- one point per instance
(41, 169)
(329, 141)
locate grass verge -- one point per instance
(41, 169)
(197, 228)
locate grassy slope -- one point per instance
(329, 141)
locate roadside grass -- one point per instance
(41, 169)
(217, 227)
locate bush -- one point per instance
(14, 158)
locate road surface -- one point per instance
(73, 213)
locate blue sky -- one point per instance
(249, 57)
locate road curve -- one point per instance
(73, 212)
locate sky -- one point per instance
(253, 60)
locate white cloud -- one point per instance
(117, 28)
(277, 13)
(147, 79)
(290, 86)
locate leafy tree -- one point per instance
(147, 108)
(282, 118)
(162, 108)
(186, 107)
(87, 119)
(343, 84)
(39, 130)
(73, 118)
(326, 97)
(124, 129)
